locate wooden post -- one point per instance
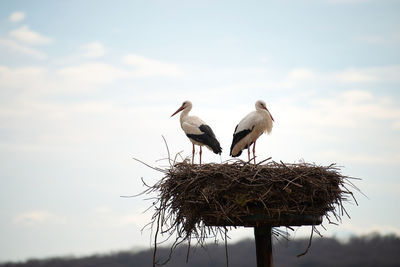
(262, 235)
(263, 224)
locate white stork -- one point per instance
(198, 132)
(250, 128)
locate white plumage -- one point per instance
(250, 128)
(198, 132)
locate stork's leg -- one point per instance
(248, 152)
(193, 154)
(200, 154)
(254, 152)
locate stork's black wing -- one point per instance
(207, 138)
(237, 136)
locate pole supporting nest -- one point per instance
(262, 224)
(263, 239)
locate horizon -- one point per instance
(277, 243)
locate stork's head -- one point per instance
(185, 105)
(260, 105)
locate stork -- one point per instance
(198, 132)
(250, 128)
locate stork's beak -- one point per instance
(179, 109)
(270, 114)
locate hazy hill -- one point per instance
(367, 251)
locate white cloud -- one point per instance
(102, 209)
(97, 73)
(356, 76)
(373, 39)
(17, 16)
(26, 35)
(32, 218)
(360, 106)
(73, 78)
(396, 125)
(368, 74)
(380, 39)
(114, 218)
(23, 79)
(386, 158)
(347, 76)
(356, 96)
(355, 126)
(350, 109)
(302, 74)
(93, 50)
(138, 219)
(88, 74)
(149, 67)
(384, 73)
(22, 49)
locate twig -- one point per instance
(166, 145)
(151, 167)
(309, 243)
(155, 240)
(226, 247)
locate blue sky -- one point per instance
(87, 85)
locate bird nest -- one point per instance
(201, 201)
(231, 193)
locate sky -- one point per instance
(85, 86)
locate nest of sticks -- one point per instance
(201, 201)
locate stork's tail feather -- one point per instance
(237, 137)
(215, 146)
(210, 141)
(237, 155)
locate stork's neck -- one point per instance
(261, 110)
(184, 113)
(263, 113)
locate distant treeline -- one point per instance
(367, 251)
